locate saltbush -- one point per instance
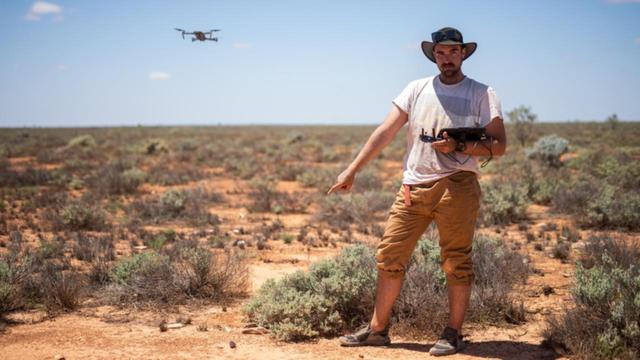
(548, 150)
(337, 295)
(604, 323)
(503, 203)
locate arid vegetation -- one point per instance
(150, 218)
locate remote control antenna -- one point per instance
(433, 132)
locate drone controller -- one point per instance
(458, 134)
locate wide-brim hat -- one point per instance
(447, 36)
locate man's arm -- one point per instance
(380, 138)
(495, 146)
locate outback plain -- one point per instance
(220, 242)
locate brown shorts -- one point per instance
(453, 203)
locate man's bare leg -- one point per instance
(458, 302)
(387, 290)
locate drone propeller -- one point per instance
(215, 30)
(179, 29)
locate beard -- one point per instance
(449, 70)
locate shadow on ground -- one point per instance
(492, 349)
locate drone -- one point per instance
(200, 35)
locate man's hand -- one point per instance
(446, 145)
(344, 182)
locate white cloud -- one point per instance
(623, 1)
(62, 67)
(159, 75)
(41, 8)
(241, 45)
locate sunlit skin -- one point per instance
(449, 61)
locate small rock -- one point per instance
(139, 247)
(232, 344)
(59, 357)
(241, 244)
(361, 356)
(175, 326)
(224, 309)
(163, 326)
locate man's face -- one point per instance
(449, 58)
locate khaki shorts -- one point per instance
(451, 202)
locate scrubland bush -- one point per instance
(604, 323)
(598, 204)
(172, 277)
(154, 146)
(82, 142)
(503, 202)
(243, 167)
(335, 295)
(319, 302)
(548, 150)
(165, 176)
(173, 204)
(265, 198)
(343, 210)
(77, 215)
(37, 279)
(27, 177)
(117, 178)
(320, 178)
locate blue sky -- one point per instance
(95, 63)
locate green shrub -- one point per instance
(606, 293)
(503, 202)
(338, 294)
(548, 150)
(80, 215)
(191, 205)
(186, 271)
(82, 142)
(321, 178)
(321, 301)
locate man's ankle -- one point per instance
(375, 327)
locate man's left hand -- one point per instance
(446, 145)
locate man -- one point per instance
(439, 183)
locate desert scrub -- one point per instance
(338, 294)
(503, 203)
(172, 277)
(548, 150)
(117, 178)
(78, 215)
(606, 293)
(497, 269)
(342, 211)
(82, 142)
(321, 301)
(191, 205)
(265, 198)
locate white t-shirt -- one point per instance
(431, 104)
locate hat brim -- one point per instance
(427, 48)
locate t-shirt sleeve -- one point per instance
(490, 107)
(406, 98)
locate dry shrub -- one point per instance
(604, 323)
(342, 211)
(337, 295)
(265, 198)
(497, 270)
(171, 277)
(191, 205)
